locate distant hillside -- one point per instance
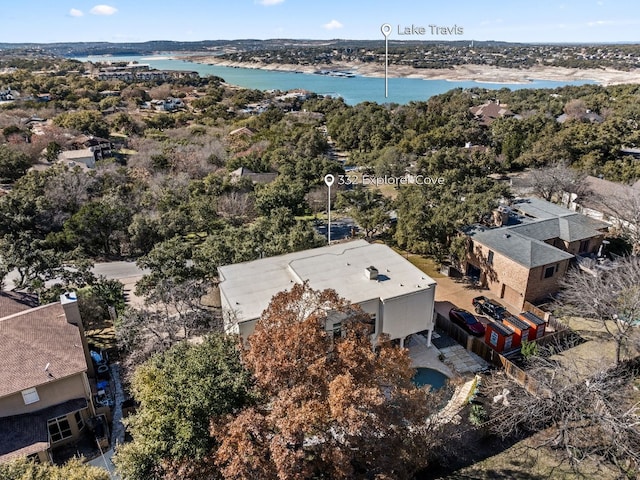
(432, 54)
(155, 46)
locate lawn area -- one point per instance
(389, 191)
(103, 337)
(599, 350)
(426, 264)
(527, 460)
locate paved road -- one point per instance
(340, 228)
(118, 270)
(125, 271)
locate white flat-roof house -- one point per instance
(398, 296)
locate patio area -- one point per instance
(457, 360)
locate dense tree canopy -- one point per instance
(179, 392)
(430, 216)
(74, 470)
(13, 164)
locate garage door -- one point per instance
(512, 297)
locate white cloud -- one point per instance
(103, 10)
(333, 25)
(74, 12)
(599, 23)
(269, 3)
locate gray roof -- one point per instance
(28, 433)
(539, 209)
(569, 228)
(248, 287)
(525, 244)
(524, 250)
(76, 154)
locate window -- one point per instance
(584, 246)
(79, 421)
(59, 429)
(490, 257)
(30, 395)
(371, 323)
(337, 329)
(549, 271)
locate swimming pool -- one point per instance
(429, 376)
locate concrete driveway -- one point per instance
(451, 292)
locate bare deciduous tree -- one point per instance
(552, 181)
(235, 205)
(610, 299)
(586, 419)
(624, 213)
(575, 108)
(172, 313)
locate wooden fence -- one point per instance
(484, 351)
(528, 307)
(471, 343)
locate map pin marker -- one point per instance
(329, 179)
(385, 29)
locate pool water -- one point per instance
(429, 376)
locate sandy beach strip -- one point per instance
(478, 73)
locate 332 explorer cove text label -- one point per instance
(430, 29)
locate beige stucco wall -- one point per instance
(246, 328)
(408, 314)
(372, 307)
(52, 393)
(397, 317)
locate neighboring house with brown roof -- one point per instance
(525, 260)
(613, 202)
(14, 302)
(488, 112)
(45, 394)
(242, 131)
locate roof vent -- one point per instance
(506, 235)
(371, 273)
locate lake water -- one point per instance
(353, 90)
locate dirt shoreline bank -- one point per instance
(478, 73)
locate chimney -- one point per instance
(69, 302)
(371, 273)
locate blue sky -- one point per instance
(141, 20)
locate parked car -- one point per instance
(467, 321)
(484, 305)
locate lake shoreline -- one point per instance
(477, 73)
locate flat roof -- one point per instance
(248, 287)
(533, 318)
(500, 328)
